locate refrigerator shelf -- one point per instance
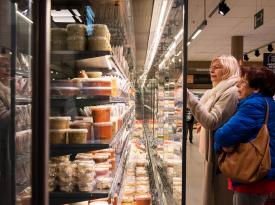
(68, 3)
(76, 55)
(23, 100)
(82, 101)
(57, 198)
(65, 149)
(24, 73)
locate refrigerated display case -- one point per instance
(16, 104)
(91, 99)
(41, 90)
(19, 42)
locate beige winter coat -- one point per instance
(214, 109)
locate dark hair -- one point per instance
(260, 78)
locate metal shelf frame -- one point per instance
(57, 198)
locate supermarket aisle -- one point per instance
(194, 172)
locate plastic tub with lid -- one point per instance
(58, 39)
(101, 157)
(58, 44)
(58, 136)
(98, 44)
(76, 43)
(75, 82)
(78, 82)
(58, 33)
(97, 82)
(97, 91)
(94, 74)
(86, 187)
(84, 157)
(81, 124)
(144, 199)
(99, 203)
(103, 130)
(77, 136)
(76, 30)
(102, 171)
(101, 30)
(59, 122)
(101, 113)
(104, 182)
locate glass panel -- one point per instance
(91, 96)
(163, 102)
(23, 100)
(15, 102)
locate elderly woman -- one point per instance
(5, 158)
(256, 88)
(214, 109)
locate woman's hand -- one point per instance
(198, 126)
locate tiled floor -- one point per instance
(194, 173)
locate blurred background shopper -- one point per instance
(214, 108)
(255, 87)
(190, 124)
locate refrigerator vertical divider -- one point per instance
(41, 102)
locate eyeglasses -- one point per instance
(215, 67)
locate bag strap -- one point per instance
(267, 112)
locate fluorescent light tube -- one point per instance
(196, 34)
(63, 19)
(80, 20)
(178, 34)
(172, 47)
(24, 17)
(76, 12)
(63, 12)
(179, 52)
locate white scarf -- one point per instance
(209, 99)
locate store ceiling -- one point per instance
(215, 39)
(142, 10)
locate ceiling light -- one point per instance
(257, 53)
(158, 22)
(223, 8)
(178, 34)
(178, 53)
(196, 34)
(62, 12)
(245, 57)
(198, 30)
(173, 60)
(78, 18)
(76, 12)
(63, 19)
(24, 17)
(172, 47)
(270, 48)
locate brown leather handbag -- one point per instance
(248, 162)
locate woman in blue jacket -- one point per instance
(254, 86)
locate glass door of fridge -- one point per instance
(22, 52)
